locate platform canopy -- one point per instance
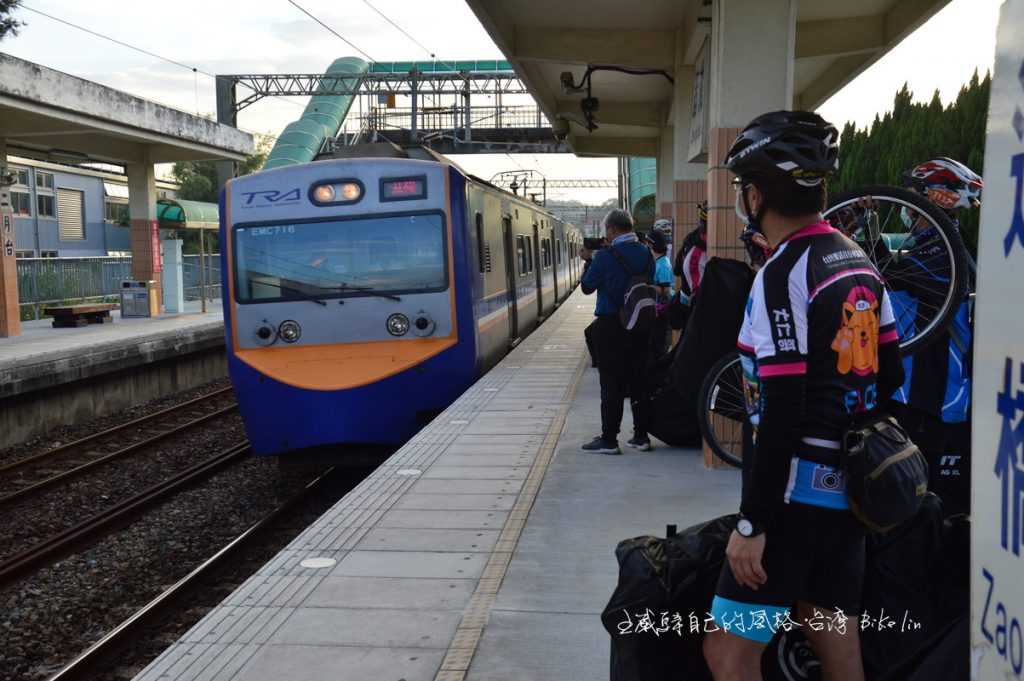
(182, 214)
(833, 42)
(53, 116)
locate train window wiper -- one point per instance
(291, 289)
(344, 286)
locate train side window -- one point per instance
(545, 248)
(521, 253)
(481, 245)
(558, 251)
(529, 254)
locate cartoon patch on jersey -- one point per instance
(856, 342)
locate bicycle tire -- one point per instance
(707, 407)
(950, 236)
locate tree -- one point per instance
(198, 180)
(8, 25)
(914, 132)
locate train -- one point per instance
(365, 293)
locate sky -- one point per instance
(272, 36)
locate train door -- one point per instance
(555, 249)
(510, 280)
(536, 256)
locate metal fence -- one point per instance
(53, 281)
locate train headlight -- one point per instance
(324, 193)
(424, 325)
(289, 331)
(350, 191)
(336, 192)
(398, 324)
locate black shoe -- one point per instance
(642, 443)
(601, 446)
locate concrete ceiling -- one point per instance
(835, 41)
(53, 116)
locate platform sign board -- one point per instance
(10, 319)
(997, 551)
(698, 142)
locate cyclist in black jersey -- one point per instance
(818, 346)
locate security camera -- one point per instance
(560, 128)
(568, 85)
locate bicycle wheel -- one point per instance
(722, 410)
(917, 250)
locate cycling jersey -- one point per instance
(938, 375)
(690, 263)
(818, 310)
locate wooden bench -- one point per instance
(68, 316)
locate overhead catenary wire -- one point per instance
(101, 36)
(194, 69)
(401, 30)
(335, 33)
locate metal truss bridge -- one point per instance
(441, 112)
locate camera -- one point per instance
(594, 243)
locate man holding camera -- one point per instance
(621, 355)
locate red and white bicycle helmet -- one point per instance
(947, 183)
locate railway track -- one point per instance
(33, 474)
(87, 532)
(122, 638)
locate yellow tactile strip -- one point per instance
(474, 618)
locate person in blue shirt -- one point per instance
(621, 355)
(663, 281)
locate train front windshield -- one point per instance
(341, 257)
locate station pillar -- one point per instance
(751, 68)
(663, 196)
(10, 316)
(147, 264)
(689, 185)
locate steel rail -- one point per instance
(84, 666)
(78, 470)
(84, 533)
(21, 463)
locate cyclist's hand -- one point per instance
(744, 555)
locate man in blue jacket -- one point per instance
(621, 355)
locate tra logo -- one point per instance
(270, 197)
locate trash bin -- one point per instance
(139, 299)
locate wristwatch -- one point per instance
(748, 528)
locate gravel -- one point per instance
(49, 618)
(64, 434)
(57, 508)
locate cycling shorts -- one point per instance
(812, 554)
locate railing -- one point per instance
(53, 281)
(450, 118)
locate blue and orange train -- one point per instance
(363, 295)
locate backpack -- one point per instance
(639, 308)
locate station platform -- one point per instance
(59, 376)
(483, 549)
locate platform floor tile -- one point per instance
(412, 564)
(376, 627)
(429, 539)
(392, 592)
(341, 663)
(562, 647)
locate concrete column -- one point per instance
(665, 164)
(147, 264)
(752, 54)
(689, 185)
(10, 317)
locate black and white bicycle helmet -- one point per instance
(796, 144)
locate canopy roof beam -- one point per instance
(640, 49)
